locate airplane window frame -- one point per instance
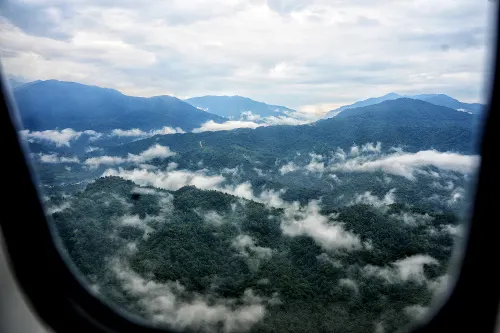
(63, 303)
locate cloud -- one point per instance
(136, 132)
(407, 269)
(136, 222)
(213, 218)
(316, 164)
(211, 126)
(308, 221)
(54, 158)
(172, 180)
(165, 303)
(58, 137)
(368, 198)
(215, 47)
(413, 219)
(144, 190)
(247, 247)
(155, 151)
(407, 164)
(416, 311)
(289, 167)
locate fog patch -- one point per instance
(247, 247)
(136, 132)
(164, 304)
(407, 269)
(316, 164)
(213, 218)
(289, 167)
(60, 208)
(54, 158)
(172, 180)
(212, 126)
(368, 198)
(416, 311)
(413, 219)
(58, 137)
(155, 151)
(407, 164)
(309, 222)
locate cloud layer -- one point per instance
(309, 55)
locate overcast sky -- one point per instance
(310, 55)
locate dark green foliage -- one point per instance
(186, 247)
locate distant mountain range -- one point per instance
(237, 107)
(412, 124)
(51, 104)
(436, 99)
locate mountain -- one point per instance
(366, 102)
(51, 104)
(436, 99)
(445, 100)
(415, 124)
(232, 107)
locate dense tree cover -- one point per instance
(191, 236)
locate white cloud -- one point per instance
(172, 180)
(144, 190)
(416, 311)
(136, 132)
(212, 126)
(247, 247)
(371, 147)
(289, 167)
(308, 221)
(91, 149)
(406, 164)
(215, 47)
(94, 162)
(54, 158)
(213, 218)
(164, 303)
(316, 164)
(413, 219)
(409, 268)
(136, 222)
(155, 151)
(57, 137)
(368, 198)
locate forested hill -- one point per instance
(46, 105)
(161, 254)
(414, 124)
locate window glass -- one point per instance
(255, 166)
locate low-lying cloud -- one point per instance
(212, 126)
(309, 222)
(410, 268)
(136, 132)
(155, 151)
(164, 304)
(54, 158)
(406, 164)
(58, 137)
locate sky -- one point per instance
(309, 55)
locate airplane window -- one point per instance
(255, 166)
